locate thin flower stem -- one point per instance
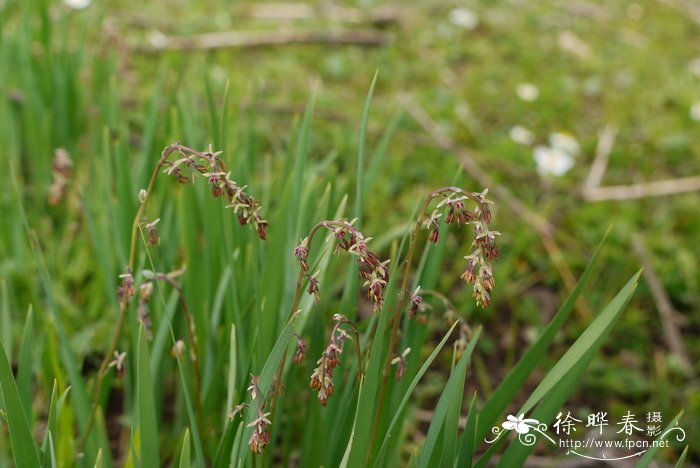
(299, 288)
(302, 272)
(193, 344)
(396, 319)
(123, 305)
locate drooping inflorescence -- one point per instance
(210, 165)
(348, 238)
(322, 376)
(483, 249)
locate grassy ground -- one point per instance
(72, 79)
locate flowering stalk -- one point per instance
(322, 376)
(348, 238)
(483, 249)
(205, 163)
(192, 335)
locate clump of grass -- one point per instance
(207, 164)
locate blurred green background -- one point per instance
(108, 83)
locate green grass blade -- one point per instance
(409, 391)
(451, 425)
(515, 379)
(591, 338)
(646, 459)
(26, 361)
(681, 460)
(455, 384)
(147, 422)
(231, 387)
(52, 452)
(561, 381)
(468, 445)
(23, 448)
(6, 318)
(185, 458)
(348, 449)
(367, 398)
(267, 375)
(362, 150)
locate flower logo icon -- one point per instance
(521, 426)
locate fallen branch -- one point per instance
(602, 155)
(649, 189)
(329, 12)
(467, 159)
(667, 313)
(255, 39)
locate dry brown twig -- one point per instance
(643, 190)
(593, 192)
(467, 159)
(668, 314)
(254, 39)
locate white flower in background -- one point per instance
(552, 160)
(521, 425)
(694, 66)
(521, 135)
(528, 92)
(464, 18)
(564, 142)
(77, 4)
(695, 111)
(157, 39)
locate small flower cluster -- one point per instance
(401, 363)
(370, 267)
(322, 376)
(61, 169)
(118, 363)
(210, 165)
(300, 353)
(483, 248)
(152, 235)
(261, 433)
(143, 313)
(415, 301)
(126, 289)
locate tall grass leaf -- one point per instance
(26, 363)
(231, 381)
(468, 443)
(98, 459)
(646, 459)
(147, 422)
(6, 318)
(681, 460)
(591, 338)
(185, 461)
(409, 391)
(351, 281)
(515, 379)
(451, 425)
(346, 455)
(380, 153)
(455, 384)
(81, 401)
(267, 375)
(23, 448)
(52, 452)
(562, 380)
(54, 412)
(51, 420)
(362, 150)
(360, 451)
